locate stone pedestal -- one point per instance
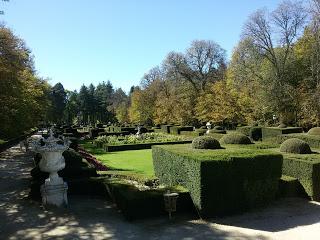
(55, 195)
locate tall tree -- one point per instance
(58, 98)
(23, 95)
(203, 62)
(272, 37)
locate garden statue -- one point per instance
(208, 127)
(54, 190)
(139, 130)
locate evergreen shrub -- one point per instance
(314, 131)
(222, 181)
(306, 168)
(295, 145)
(205, 142)
(235, 138)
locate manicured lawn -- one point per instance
(134, 161)
(138, 161)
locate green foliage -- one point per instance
(133, 139)
(295, 145)
(314, 131)
(137, 204)
(178, 129)
(221, 181)
(205, 142)
(290, 187)
(268, 132)
(244, 130)
(23, 95)
(282, 125)
(235, 138)
(219, 128)
(58, 100)
(256, 133)
(306, 168)
(312, 140)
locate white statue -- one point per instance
(208, 127)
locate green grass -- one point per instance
(134, 161)
(138, 161)
(2, 141)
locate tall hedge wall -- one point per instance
(220, 181)
(178, 129)
(306, 168)
(268, 132)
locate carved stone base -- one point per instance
(55, 195)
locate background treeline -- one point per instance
(274, 71)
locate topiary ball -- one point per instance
(205, 142)
(282, 125)
(295, 145)
(235, 138)
(314, 131)
(218, 128)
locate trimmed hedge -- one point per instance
(205, 142)
(244, 130)
(290, 187)
(93, 132)
(217, 136)
(131, 130)
(136, 204)
(268, 132)
(178, 129)
(221, 181)
(295, 145)
(166, 128)
(113, 133)
(235, 138)
(306, 168)
(193, 133)
(125, 147)
(255, 133)
(312, 140)
(218, 131)
(314, 131)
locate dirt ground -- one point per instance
(93, 218)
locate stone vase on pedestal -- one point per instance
(54, 190)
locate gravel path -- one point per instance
(93, 218)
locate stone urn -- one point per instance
(208, 125)
(54, 190)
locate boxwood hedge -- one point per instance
(136, 204)
(178, 129)
(268, 132)
(312, 140)
(306, 168)
(220, 181)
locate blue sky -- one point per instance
(82, 42)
